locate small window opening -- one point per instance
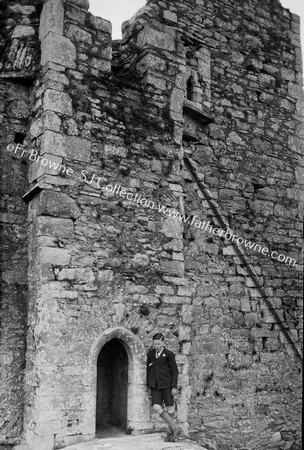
(19, 138)
(190, 88)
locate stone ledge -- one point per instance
(201, 115)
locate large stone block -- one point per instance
(116, 150)
(296, 144)
(101, 64)
(238, 360)
(52, 18)
(176, 300)
(19, 109)
(204, 66)
(177, 100)
(56, 101)
(300, 175)
(77, 148)
(83, 4)
(296, 194)
(53, 75)
(262, 207)
(78, 34)
(25, 10)
(59, 50)
(52, 143)
(141, 260)
(37, 128)
(23, 31)
(172, 227)
(101, 24)
(157, 81)
(56, 204)
(51, 121)
(152, 62)
(235, 138)
(170, 16)
(105, 276)
(300, 105)
(76, 275)
(176, 280)
(55, 256)
(51, 226)
(174, 268)
(155, 38)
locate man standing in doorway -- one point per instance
(162, 374)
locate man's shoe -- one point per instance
(168, 437)
(176, 433)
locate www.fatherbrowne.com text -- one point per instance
(99, 183)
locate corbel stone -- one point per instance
(37, 170)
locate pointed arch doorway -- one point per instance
(112, 387)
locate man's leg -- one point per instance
(171, 412)
(157, 400)
(165, 416)
(173, 427)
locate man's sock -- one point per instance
(169, 420)
(172, 415)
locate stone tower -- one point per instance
(151, 184)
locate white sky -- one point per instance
(117, 11)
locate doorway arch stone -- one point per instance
(138, 404)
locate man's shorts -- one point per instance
(160, 395)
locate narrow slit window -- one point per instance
(190, 88)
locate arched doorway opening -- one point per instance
(138, 415)
(112, 386)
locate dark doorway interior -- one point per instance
(112, 386)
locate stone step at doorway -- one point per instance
(146, 442)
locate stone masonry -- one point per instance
(133, 172)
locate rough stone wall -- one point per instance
(248, 160)
(249, 163)
(89, 277)
(19, 64)
(104, 266)
(14, 117)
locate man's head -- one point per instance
(158, 341)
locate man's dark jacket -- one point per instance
(162, 372)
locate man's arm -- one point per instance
(174, 369)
